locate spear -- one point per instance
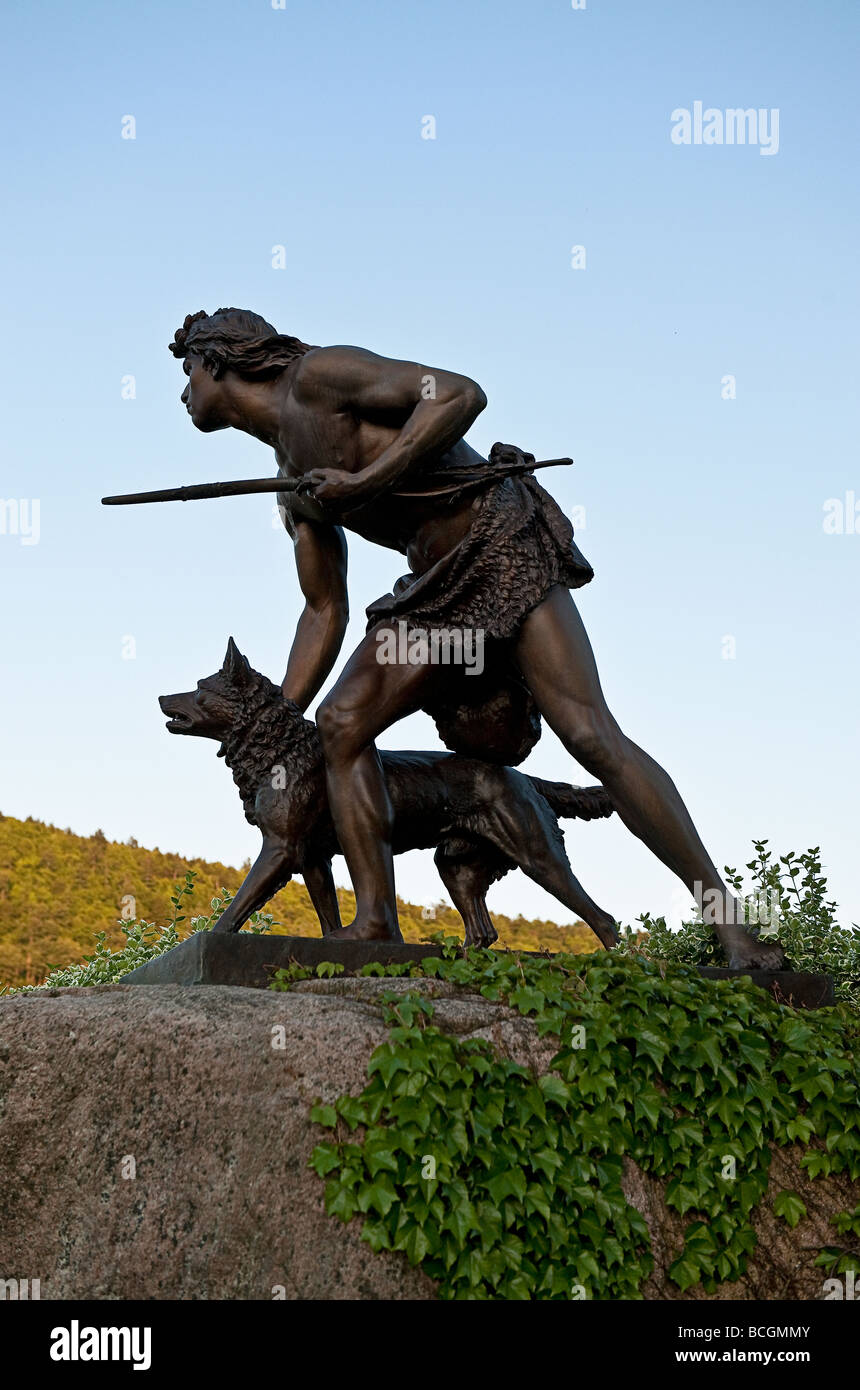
(195, 492)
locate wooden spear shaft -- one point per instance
(240, 487)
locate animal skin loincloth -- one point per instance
(519, 547)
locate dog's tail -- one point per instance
(575, 803)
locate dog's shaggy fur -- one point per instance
(481, 819)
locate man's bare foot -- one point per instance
(746, 952)
(606, 931)
(366, 931)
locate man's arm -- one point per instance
(321, 564)
(433, 409)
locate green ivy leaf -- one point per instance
(790, 1206)
(324, 1159)
(554, 1089)
(684, 1272)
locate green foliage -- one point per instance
(790, 1206)
(694, 1080)
(839, 1259)
(143, 942)
(786, 902)
(58, 890)
(502, 1184)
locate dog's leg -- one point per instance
(467, 881)
(549, 866)
(545, 861)
(266, 876)
(319, 882)
(525, 828)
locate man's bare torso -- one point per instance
(315, 433)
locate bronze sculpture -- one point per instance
(481, 819)
(376, 446)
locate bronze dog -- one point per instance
(482, 819)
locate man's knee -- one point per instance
(341, 728)
(596, 741)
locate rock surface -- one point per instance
(182, 1087)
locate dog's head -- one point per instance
(216, 707)
(257, 728)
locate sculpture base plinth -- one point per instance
(242, 958)
(786, 986)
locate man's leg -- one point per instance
(557, 663)
(368, 698)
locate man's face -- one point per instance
(203, 397)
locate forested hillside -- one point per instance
(58, 889)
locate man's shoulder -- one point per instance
(328, 368)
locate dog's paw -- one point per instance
(482, 936)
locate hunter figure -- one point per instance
(378, 445)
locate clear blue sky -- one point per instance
(301, 127)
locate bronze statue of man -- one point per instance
(379, 447)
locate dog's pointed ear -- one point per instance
(236, 666)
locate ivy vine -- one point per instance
(502, 1184)
(843, 1259)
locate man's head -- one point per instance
(230, 341)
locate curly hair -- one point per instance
(236, 340)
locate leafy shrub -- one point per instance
(143, 942)
(787, 903)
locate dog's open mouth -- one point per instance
(179, 724)
(178, 721)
